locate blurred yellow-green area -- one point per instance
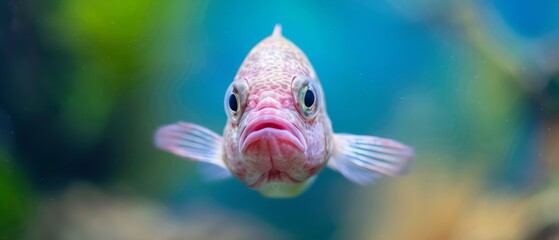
(473, 86)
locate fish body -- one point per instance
(278, 135)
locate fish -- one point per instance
(278, 135)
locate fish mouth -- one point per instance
(271, 126)
(274, 176)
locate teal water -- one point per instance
(473, 87)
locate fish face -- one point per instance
(273, 136)
(277, 130)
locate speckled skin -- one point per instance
(266, 84)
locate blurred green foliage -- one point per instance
(114, 43)
(16, 199)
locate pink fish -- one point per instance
(278, 135)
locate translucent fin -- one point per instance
(362, 159)
(193, 142)
(211, 172)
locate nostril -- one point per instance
(268, 99)
(270, 106)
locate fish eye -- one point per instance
(233, 102)
(309, 98)
(307, 94)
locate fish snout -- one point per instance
(270, 142)
(274, 130)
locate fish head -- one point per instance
(278, 131)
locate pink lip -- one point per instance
(261, 126)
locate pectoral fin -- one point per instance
(194, 142)
(363, 159)
(211, 172)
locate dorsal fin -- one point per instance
(277, 31)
